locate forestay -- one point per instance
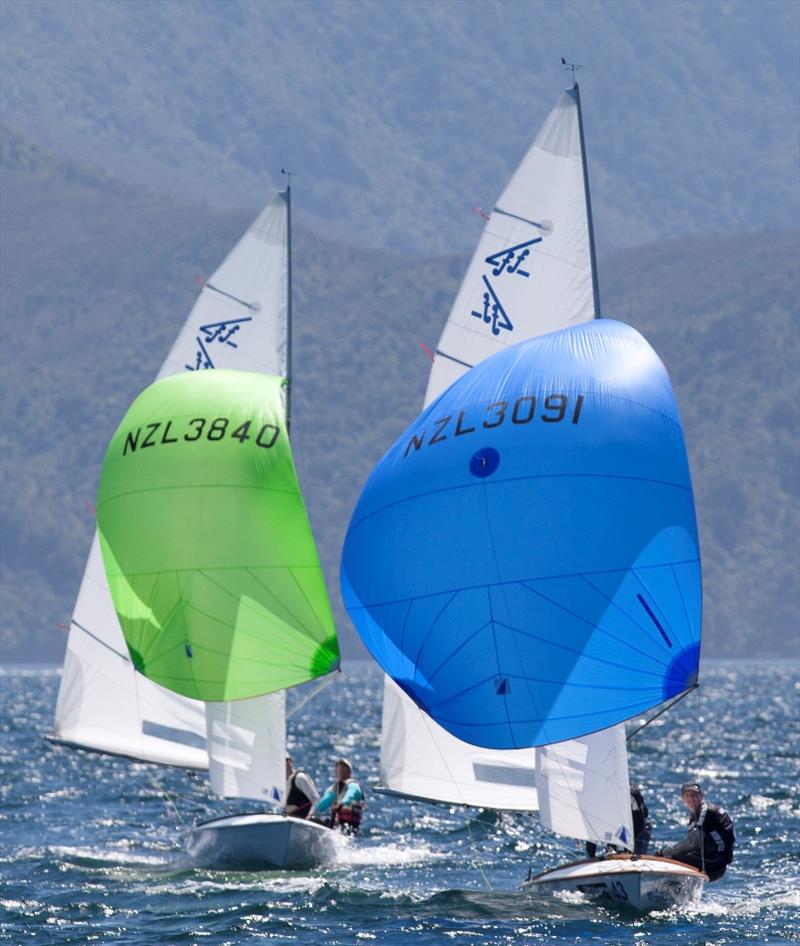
(239, 322)
(548, 580)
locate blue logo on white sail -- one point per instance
(506, 262)
(510, 260)
(221, 332)
(493, 310)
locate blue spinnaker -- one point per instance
(524, 560)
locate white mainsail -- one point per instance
(239, 321)
(533, 270)
(103, 704)
(532, 273)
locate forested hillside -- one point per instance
(98, 276)
(400, 116)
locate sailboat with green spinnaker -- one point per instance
(219, 601)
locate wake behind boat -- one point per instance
(644, 882)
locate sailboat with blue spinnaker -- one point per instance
(523, 562)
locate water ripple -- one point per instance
(91, 852)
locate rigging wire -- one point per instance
(475, 855)
(167, 798)
(326, 682)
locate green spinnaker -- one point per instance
(206, 543)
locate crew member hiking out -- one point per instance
(709, 844)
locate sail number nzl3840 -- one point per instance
(214, 429)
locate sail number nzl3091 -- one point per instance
(555, 408)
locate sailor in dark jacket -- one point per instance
(301, 792)
(709, 843)
(642, 826)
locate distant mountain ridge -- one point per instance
(98, 276)
(399, 117)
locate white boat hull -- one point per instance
(643, 883)
(260, 842)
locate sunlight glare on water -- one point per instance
(91, 850)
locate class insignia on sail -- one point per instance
(524, 560)
(206, 543)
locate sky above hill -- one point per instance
(399, 117)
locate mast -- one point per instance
(595, 285)
(289, 299)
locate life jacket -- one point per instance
(295, 796)
(349, 817)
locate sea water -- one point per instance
(91, 844)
